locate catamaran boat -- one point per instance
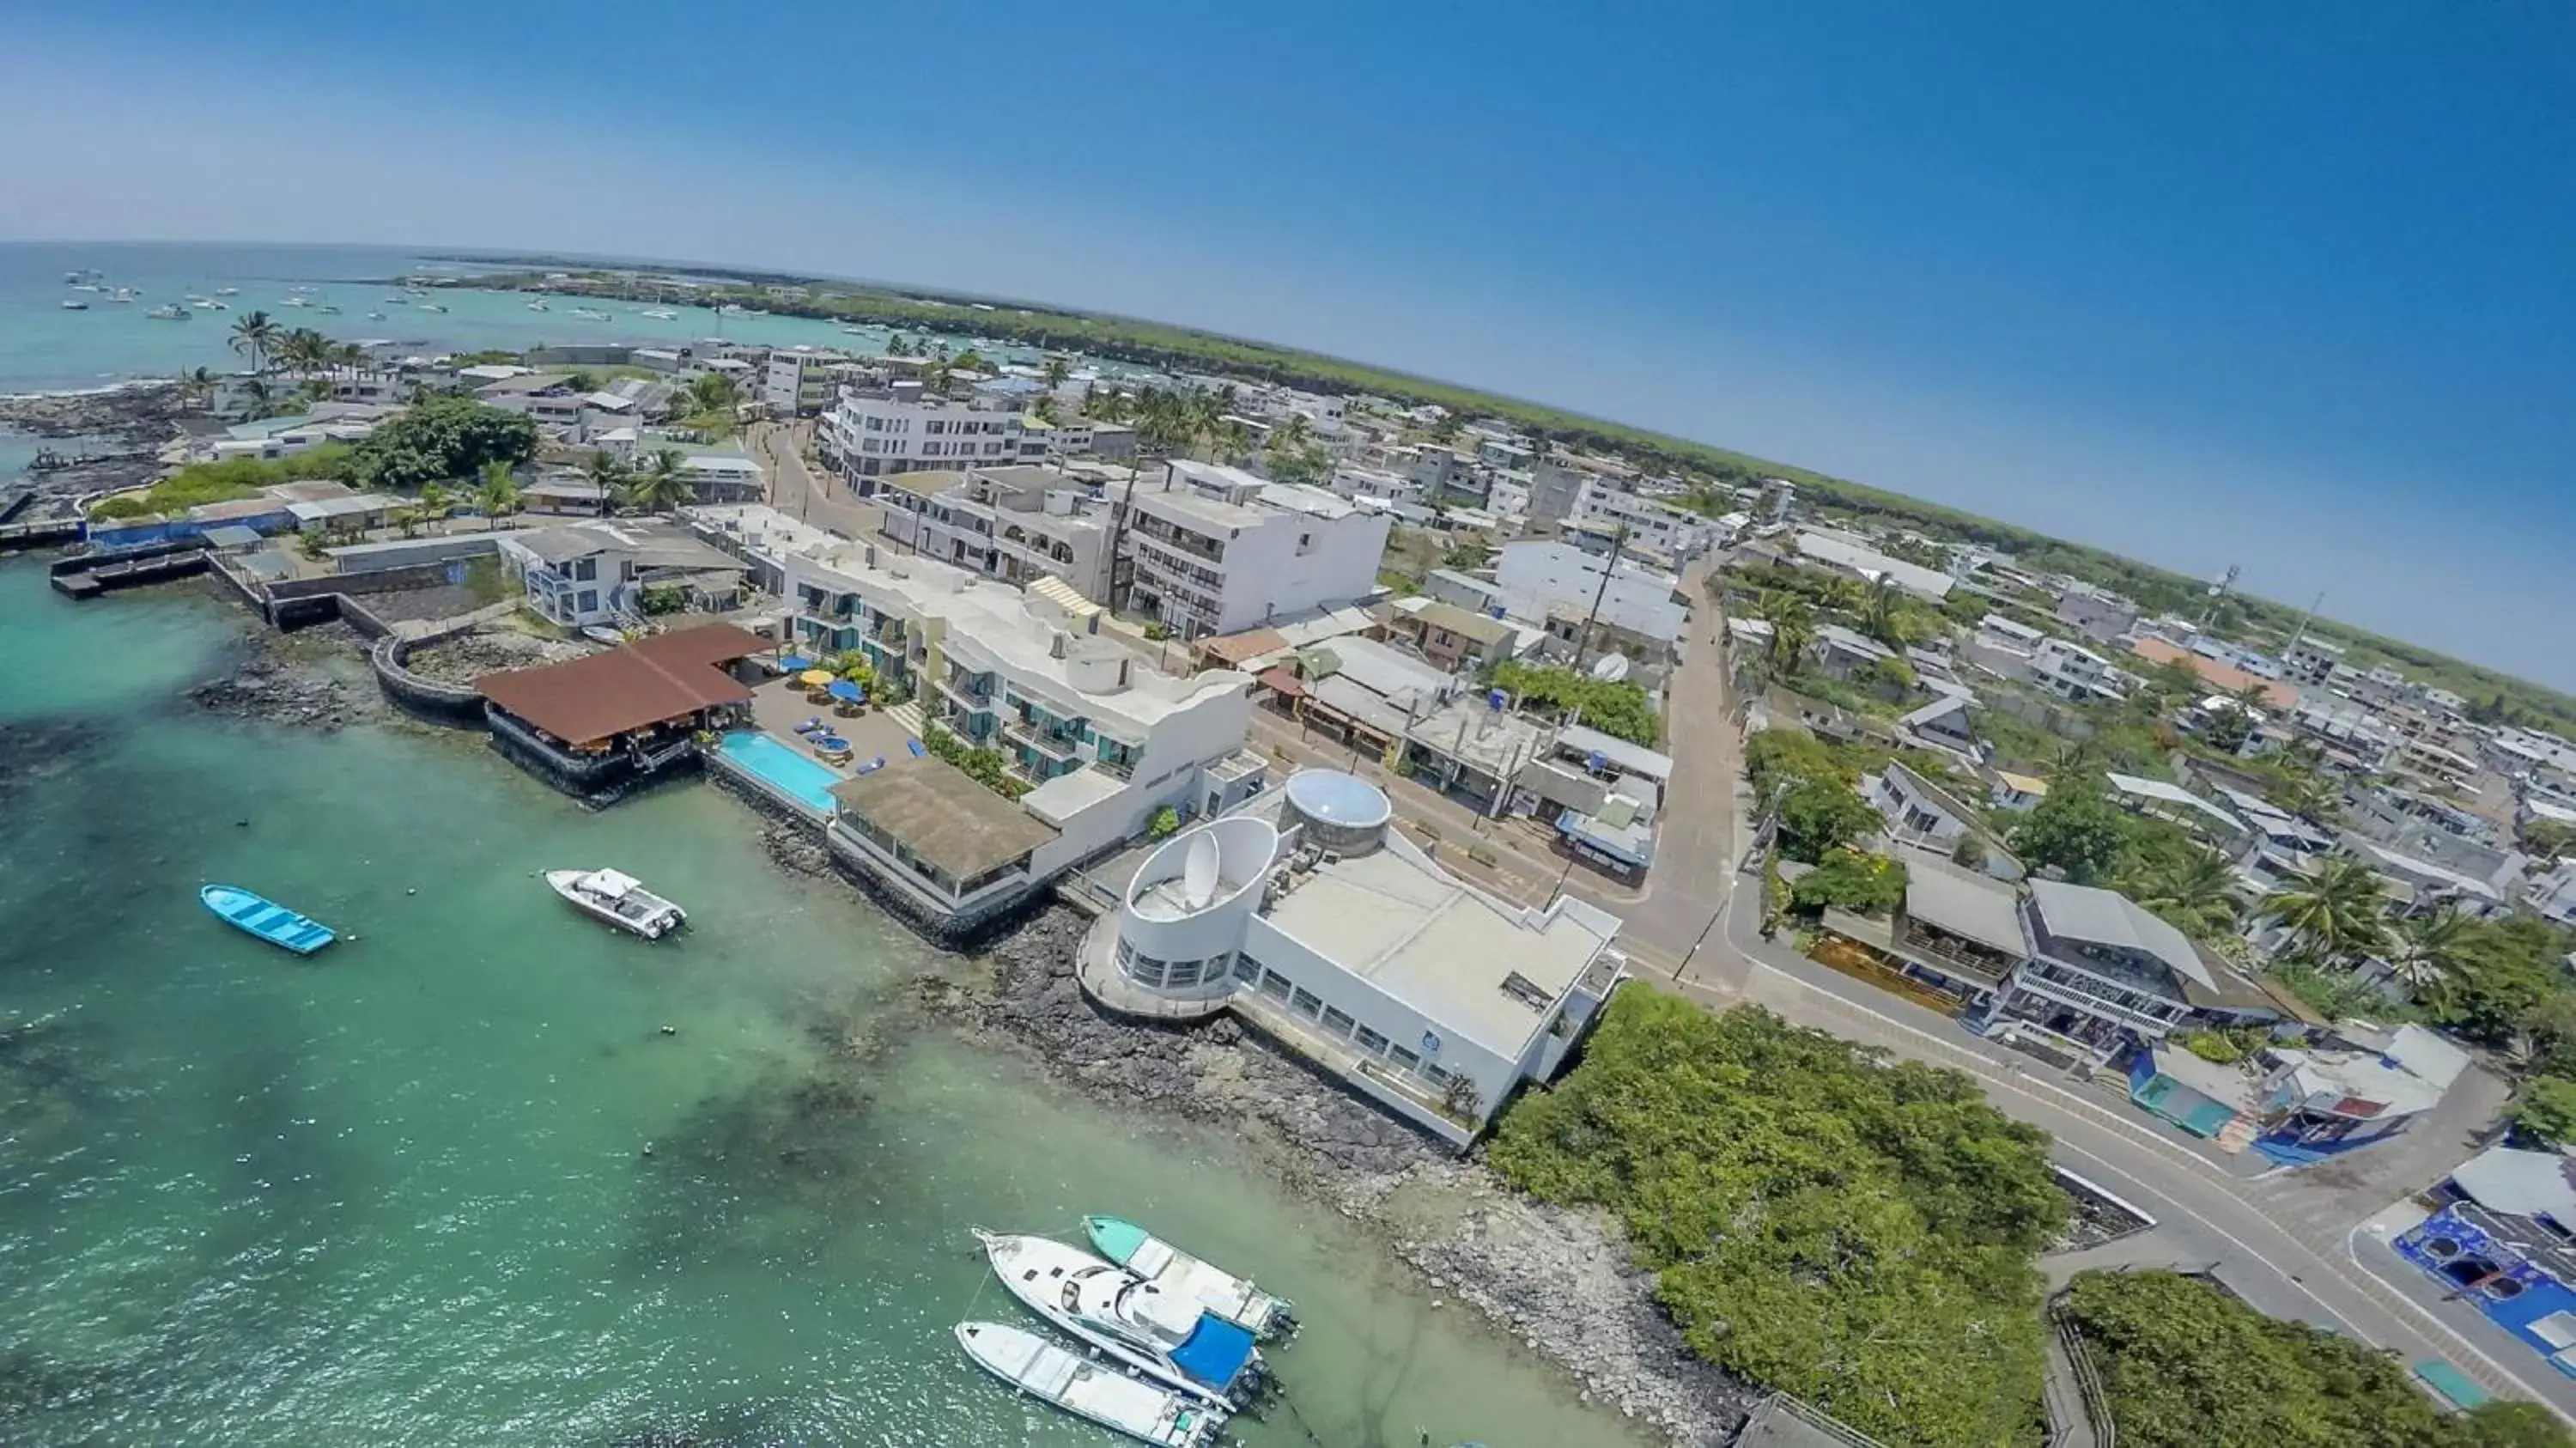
(1088, 1389)
(1167, 1337)
(619, 899)
(1186, 1277)
(169, 312)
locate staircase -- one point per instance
(907, 714)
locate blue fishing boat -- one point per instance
(266, 919)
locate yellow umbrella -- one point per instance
(816, 678)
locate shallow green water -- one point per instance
(400, 1194)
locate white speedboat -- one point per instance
(660, 314)
(167, 312)
(1188, 1278)
(590, 314)
(431, 307)
(618, 899)
(328, 310)
(74, 304)
(538, 307)
(296, 302)
(227, 291)
(375, 316)
(1166, 1337)
(1089, 1390)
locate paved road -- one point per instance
(796, 490)
(2291, 1243)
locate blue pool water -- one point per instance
(781, 766)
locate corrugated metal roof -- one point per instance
(2107, 917)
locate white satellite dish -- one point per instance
(1198, 872)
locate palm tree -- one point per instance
(1055, 371)
(608, 473)
(436, 501)
(2336, 916)
(934, 379)
(496, 494)
(2255, 699)
(1044, 411)
(969, 360)
(1883, 613)
(2197, 894)
(200, 384)
(2425, 951)
(1793, 628)
(662, 486)
(252, 336)
(300, 350)
(898, 345)
(1293, 434)
(2073, 759)
(256, 396)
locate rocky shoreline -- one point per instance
(132, 421)
(1556, 1279)
(288, 680)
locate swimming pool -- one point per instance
(782, 767)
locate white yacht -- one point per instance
(169, 312)
(74, 304)
(1170, 1338)
(618, 899)
(227, 291)
(1090, 1390)
(1182, 1275)
(660, 314)
(538, 307)
(208, 304)
(431, 307)
(296, 302)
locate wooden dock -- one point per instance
(93, 574)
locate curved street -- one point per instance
(2294, 1244)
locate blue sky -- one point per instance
(2292, 287)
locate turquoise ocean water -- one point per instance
(43, 347)
(400, 1193)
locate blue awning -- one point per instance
(844, 689)
(1215, 1352)
(795, 663)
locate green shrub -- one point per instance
(1165, 822)
(1617, 708)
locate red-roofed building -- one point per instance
(2223, 678)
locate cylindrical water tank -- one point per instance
(1340, 813)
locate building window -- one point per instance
(1247, 970)
(1437, 1075)
(1307, 1004)
(1275, 986)
(1371, 1041)
(1404, 1058)
(1338, 1022)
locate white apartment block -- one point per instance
(1676, 533)
(874, 431)
(802, 381)
(2073, 672)
(1545, 577)
(1106, 739)
(1216, 550)
(1016, 524)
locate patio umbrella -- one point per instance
(814, 678)
(844, 689)
(793, 662)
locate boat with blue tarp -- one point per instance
(265, 918)
(1187, 1277)
(1172, 1338)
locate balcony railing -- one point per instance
(1044, 741)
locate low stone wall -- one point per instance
(457, 704)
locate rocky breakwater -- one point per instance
(467, 657)
(301, 682)
(1557, 1280)
(109, 438)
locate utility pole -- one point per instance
(2305, 619)
(1583, 640)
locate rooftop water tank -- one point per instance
(1338, 812)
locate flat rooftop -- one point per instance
(943, 816)
(1437, 945)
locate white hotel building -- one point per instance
(876, 431)
(1217, 550)
(1311, 918)
(1105, 739)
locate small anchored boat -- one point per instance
(1088, 1389)
(1186, 1277)
(266, 919)
(1168, 1338)
(619, 899)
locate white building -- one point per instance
(595, 572)
(1846, 554)
(875, 431)
(1105, 739)
(801, 381)
(1216, 550)
(1544, 578)
(1674, 532)
(1311, 918)
(2073, 672)
(1017, 524)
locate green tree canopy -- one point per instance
(1864, 884)
(443, 438)
(1858, 1233)
(1821, 816)
(2075, 828)
(2187, 1366)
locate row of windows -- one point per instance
(1154, 973)
(1333, 1022)
(995, 428)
